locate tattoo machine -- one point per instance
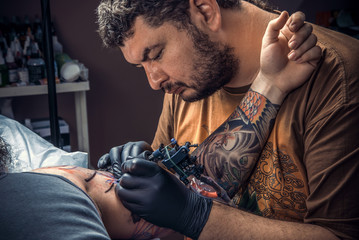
(177, 159)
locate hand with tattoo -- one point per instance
(230, 153)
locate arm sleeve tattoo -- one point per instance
(230, 153)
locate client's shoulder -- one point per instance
(77, 175)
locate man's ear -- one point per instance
(206, 13)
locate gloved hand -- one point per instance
(160, 198)
(120, 154)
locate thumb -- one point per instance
(115, 154)
(104, 161)
(274, 27)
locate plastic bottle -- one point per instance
(22, 34)
(23, 73)
(4, 75)
(36, 65)
(12, 67)
(3, 43)
(17, 51)
(58, 49)
(38, 36)
(27, 51)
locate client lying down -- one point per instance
(66, 202)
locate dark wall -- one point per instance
(311, 7)
(121, 105)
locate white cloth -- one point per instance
(30, 151)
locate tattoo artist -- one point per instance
(197, 51)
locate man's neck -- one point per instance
(245, 30)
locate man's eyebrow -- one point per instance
(148, 50)
(145, 53)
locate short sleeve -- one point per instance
(332, 163)
(164, 131)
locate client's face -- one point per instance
(100, 187)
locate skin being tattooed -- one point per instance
(231, 151)
(99, 186)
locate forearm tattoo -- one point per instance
(230, 153)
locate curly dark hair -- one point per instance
(116, 18)
(5, 155)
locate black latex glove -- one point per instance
(120, 154)
(160, 198)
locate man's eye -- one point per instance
(159, 55)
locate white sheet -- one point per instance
(30, 151)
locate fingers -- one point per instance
(145, 155)
(115, 154)
(134, 149)
(300, 36)
(293, 24)
(274, 27)
(309, 43)
(137, 148)
(140, 167)
(145, 146)
(104, 161)
(302, 41)
(132, 182)
(311, 56)
(127, 151)
(296, 21)
(127, 195)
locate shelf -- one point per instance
(42, 89)
(78, 88)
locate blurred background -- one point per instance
(121, 106)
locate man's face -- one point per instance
(185, 62)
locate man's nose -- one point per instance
(155, 75)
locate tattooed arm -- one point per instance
(231, 152)
(238, 223)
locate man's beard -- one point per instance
(214, 66)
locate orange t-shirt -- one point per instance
(309, 169)
(194, 122)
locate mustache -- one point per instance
(167, 87)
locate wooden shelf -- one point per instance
(78, 88)
(42, 89)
